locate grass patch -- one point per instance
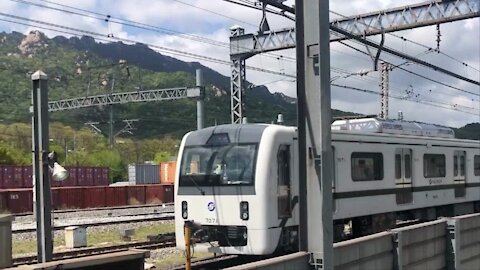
(98, 238)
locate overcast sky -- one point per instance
(211, 20)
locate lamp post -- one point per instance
(43, 162)
(42, 197)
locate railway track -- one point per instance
(101, 209)
(167, 216)
(164, 242)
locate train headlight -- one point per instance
(244, 215)
(184, 210)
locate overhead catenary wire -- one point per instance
(401, 98)
(413, 73)
(161, 48)
(411, 41)
(134, 24)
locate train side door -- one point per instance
(403, 175)
(284, 181)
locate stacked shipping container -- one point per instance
(167, 172)
(12, 176)
(141, 174)
(20, 200)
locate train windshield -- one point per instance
(231, 164)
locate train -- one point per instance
(238, 183)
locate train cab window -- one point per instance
(218, 165)
(476, 165)
(459, 165)
(283, 189)
(433, 165)
(367, 166)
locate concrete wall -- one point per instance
(297, 260)
(452, 243)
(421, 246)
(465, 242)
(369, 252)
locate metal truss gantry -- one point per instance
(243, 46)
(125, 97)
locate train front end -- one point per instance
(221, 189)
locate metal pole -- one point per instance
(315, 73)
(200, 101)
(384, 90)
(188, 255)
(40, 166)
(110, 137)
(302, 146)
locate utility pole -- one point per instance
(200, 100)
(42, 196)
(314, 119)
(384, 90)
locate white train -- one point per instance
(239, 183)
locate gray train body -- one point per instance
(239, 183)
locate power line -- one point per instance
(413, 42)
(161, 48)
(213, 12)
(429, 103)
(411, 72)
(111, 19)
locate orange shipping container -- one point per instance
(167, 172)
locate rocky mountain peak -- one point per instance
(32, 42)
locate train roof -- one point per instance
(391, 126)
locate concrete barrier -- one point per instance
(464, 232)
(6, 241)
(370, 252)
(421, 246)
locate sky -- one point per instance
(202, 27)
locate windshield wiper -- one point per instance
(196, 185)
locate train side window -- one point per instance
(367, 166)
(459, 164)
(476, 165)
(398, 166)
(408, 166)
(433, 165)
(283, 191)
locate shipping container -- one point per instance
(3, 201)
(136, 194)
(89, 177)
(94, 197)
(100, 177)
(55, 198)
(140, 174)
(154, 194)
(18, 177)
(7, 176)
(81, 171)
(28, 176)
(19, 200)
(106, 175)
(70, 197)
(168, 193)
(116, 196)
(167, 172)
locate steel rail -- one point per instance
(97, 224)
(168, 241)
